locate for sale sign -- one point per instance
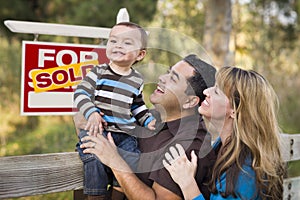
(50, 73)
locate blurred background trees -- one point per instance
(258, 34)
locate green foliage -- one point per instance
(293, 168)
(183, 16)
(10, 70)
(41, 135)
(88, 13)
(15, 9)
(273, 49)
(57, 196)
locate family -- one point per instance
(131, 152)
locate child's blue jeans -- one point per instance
(98, 176)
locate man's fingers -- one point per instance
(88, 145)
(90, 138)
(110, 138)
(89, 150)
(85, 138)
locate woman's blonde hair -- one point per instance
(255, 132)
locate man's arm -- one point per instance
(79, 122)
(132, 186)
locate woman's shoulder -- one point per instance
(246, 184)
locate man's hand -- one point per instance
(95, 124)
(105, 150)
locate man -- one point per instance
(176, 99)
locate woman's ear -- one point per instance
(232, 113)
(191, 102)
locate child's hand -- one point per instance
(151, 125)
(95, 124)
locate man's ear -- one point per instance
(191, 102)
(141, 55)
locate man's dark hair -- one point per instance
(144, 36)
(204, 76)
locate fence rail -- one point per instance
(31, 175)
(40, 174)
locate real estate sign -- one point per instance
(50, 73)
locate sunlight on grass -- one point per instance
(54, 196)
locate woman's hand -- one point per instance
(181, 169)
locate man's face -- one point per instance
(170, 91)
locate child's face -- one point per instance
(124, 45)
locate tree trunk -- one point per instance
(218, 24)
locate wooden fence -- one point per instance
(57, 172)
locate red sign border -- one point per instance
(45, 111)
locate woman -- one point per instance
(241, 107)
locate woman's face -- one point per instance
(216, 105)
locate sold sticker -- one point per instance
(60, 77)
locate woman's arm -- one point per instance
(182, 170)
